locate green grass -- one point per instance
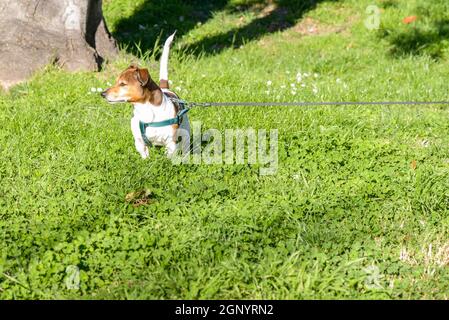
(359, 205)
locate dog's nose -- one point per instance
(105, 93)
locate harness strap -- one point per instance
(176, 120)
(142, 133)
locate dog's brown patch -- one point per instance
(164, 84)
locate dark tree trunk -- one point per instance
(34, 33)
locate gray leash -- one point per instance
(304, 104)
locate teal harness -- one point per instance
(183, 109)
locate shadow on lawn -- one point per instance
(432, 41)
(155, 18)
(278, 15)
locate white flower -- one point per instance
(178, 88)
(303, 85)
(93, 89)
(267, 91)
(108, 84)
(170, 82)
(293, 85)
(293, 93)
(338, 80)
(203, 76)
(315, 75)
(99, 90)
(283, 86)
(298, 78)
(269, 83)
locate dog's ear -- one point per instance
(142, 76)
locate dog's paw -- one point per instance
(145, 153)
(170, 149)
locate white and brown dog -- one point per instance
(157, 119)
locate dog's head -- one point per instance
(131, 86)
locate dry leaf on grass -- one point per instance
(139, 198)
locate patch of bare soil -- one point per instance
(311, 27)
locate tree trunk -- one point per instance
(34, 33)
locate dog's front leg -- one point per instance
(141, 148)
(138, 140)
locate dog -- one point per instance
(159, 116)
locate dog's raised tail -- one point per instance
(163, 72)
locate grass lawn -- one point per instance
(359, 205)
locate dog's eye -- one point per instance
(122, 84)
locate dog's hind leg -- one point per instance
(163, 71)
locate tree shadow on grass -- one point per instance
(417, 41)
(156, 19)
(278, 15)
